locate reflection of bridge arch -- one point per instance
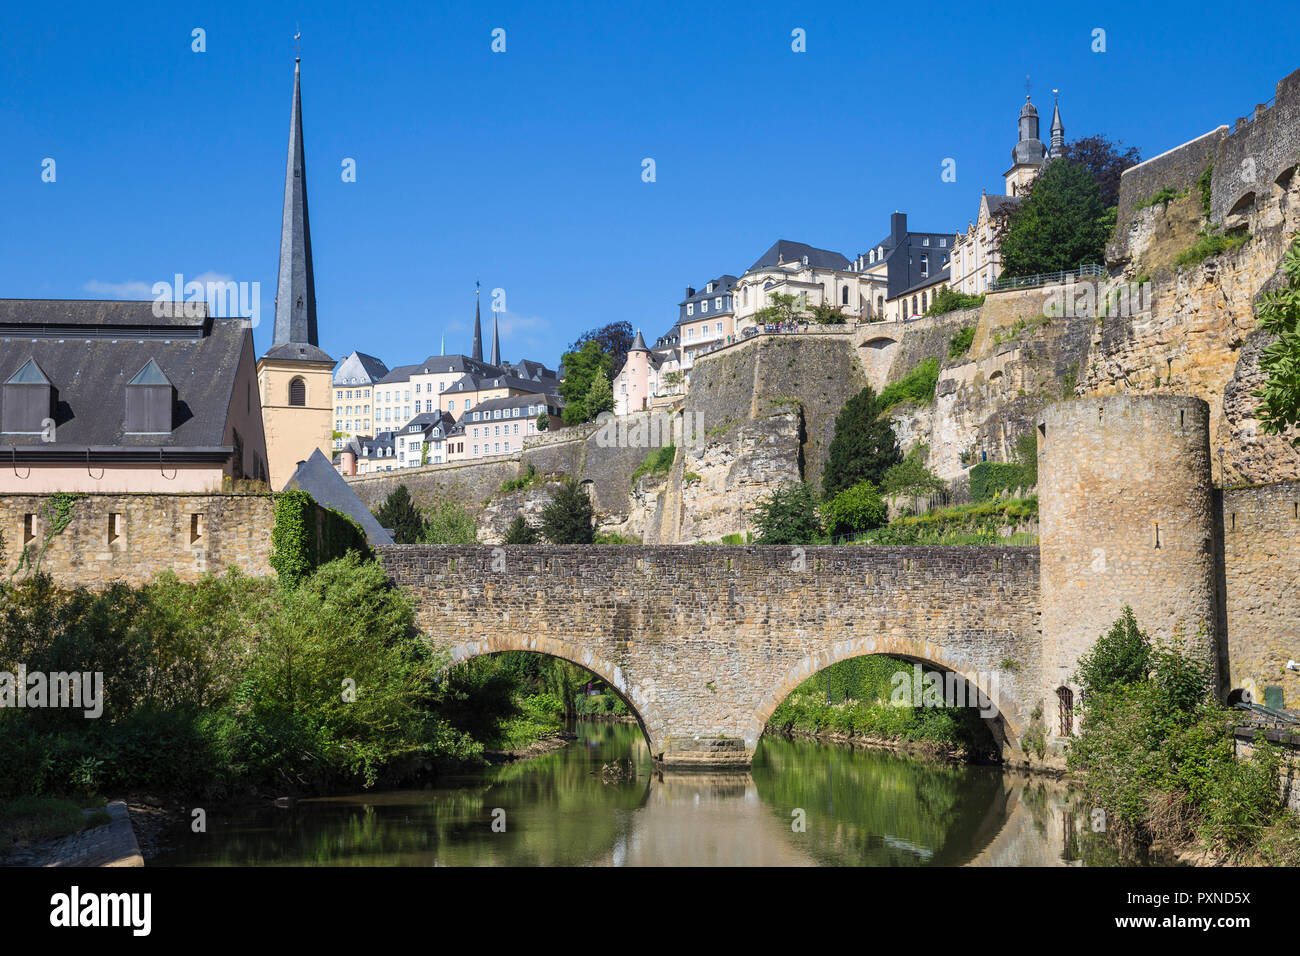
(643, 710)
(1004, 726)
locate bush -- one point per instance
(1120, 657)
(853, 509)
(960, 343)
(948, 299)
(658, 463)
(788, 516)
(911, 477)
(1212, 242)
(520, 532)
(916, 386)
(449, 523)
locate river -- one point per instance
(598, 801)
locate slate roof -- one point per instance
(513, 401)
(359, 369)
(91, 349)
(317, 477)
(784, 250)
(298, 352)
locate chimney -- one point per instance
(898, 228)
(690, 291)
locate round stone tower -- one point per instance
(1125, 517)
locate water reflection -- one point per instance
(599, 801)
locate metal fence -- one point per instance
(1003, 283)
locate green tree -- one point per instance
(863, 446)
(520, 532)
(1121, 656)
(785, 307)
(854, 509)
(1061, 225)
(543, 422)
(614, 340)
(788, 516)
(827, 314)
(449, 523)
(569, 518)
(600, 397)
(911, 477)
(1279, 314)
(399, 514)
(581, 367)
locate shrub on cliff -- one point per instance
(449, 523)
(788, 516)
(520, 532)
(569, 517)
(863, 446)
(1279, 314)
(916, 386)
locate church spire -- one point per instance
(1058, 129)
(496, 341)
(477, 352)
(295, 290)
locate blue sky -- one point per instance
(523, 169)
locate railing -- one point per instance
(1003, 283)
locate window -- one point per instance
(704, 306)
(925, 241)
(925, 267)
(717, 303)
(690, 334)
(718, 328)
(690, 308)
(844, 296)
(298, 392)
(1065, 710)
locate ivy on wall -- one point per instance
(56, 513)
(307, 535)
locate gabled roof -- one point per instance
(151, 374)
(30, 374)
(317, 477)
(90, 362)
(785, 251)
(359, 369)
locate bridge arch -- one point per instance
(646, 714)
(1006, 725)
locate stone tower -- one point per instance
(1125, 517)
(295, 377)
(1029, 153)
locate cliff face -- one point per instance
(763, 410)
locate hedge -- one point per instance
(990, 477)
(307, 535)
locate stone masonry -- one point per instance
(704, 642)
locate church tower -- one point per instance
(1029, 153)
(476, 352)
(295, 377)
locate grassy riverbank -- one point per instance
(853, 701)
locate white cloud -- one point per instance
(120, 290)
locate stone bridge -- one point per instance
(703, 643)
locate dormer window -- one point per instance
(150, 402)
(29, 400)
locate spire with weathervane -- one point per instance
(1058, 129)
(295, 291)
(477, 353)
